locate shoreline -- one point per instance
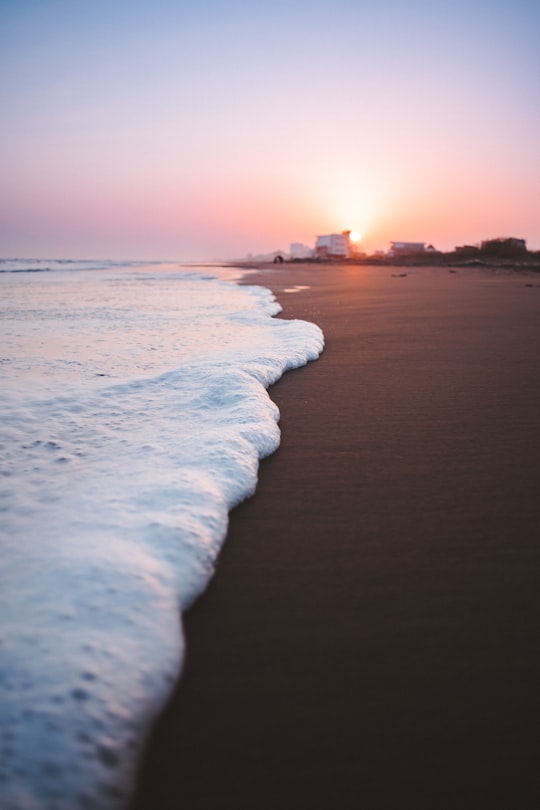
(527, 264)
(370, 636)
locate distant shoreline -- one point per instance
(450, 260)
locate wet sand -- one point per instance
(371, 638)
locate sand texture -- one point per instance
(371, 638)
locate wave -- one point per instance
(115, 501)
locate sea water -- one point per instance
(133, 413)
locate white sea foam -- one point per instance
(134, 414)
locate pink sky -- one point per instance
(149, 130)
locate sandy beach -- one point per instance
(371, 637)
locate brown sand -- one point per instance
(371, 638)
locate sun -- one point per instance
(355, 236)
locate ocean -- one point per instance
(133, 415)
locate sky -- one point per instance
(167, 129)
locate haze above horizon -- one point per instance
(158, 129)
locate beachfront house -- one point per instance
(406, 248)
(333, 246)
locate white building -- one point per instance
(406, 248)
(300, 251)
(333, 245)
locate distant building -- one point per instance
(300, 251)
(406, 248)
(504, 244)
(333, 246)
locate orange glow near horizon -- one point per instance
(153, 154)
